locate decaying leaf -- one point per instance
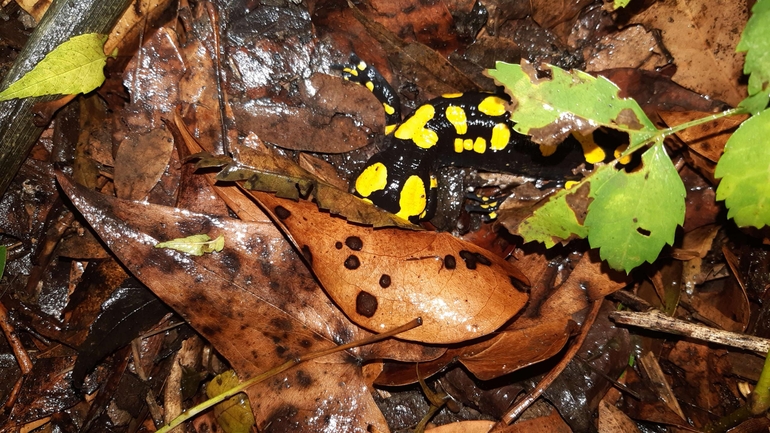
(387, 277)
(257, 303)
(195, 245)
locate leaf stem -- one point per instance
(281, 368)
(662, 133)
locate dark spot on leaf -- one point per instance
(280, 350)
(643, 232)
(304, 380)
(211, 330)
(352, 262)
(450, 262)
(283, 419)
(483, 259)
(354, 243)
(282, 213)
(338, 245)
(282, 324)
(518, 285)
(307, 254)
(385, 281)
(628, 118)
(305, 343)
(470, 259)
(231, 261)
(366, 304)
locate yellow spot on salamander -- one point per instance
(480, 145)
(373, 178)
(451, 95)
(619, 151)
(501, 135)
(456, 116)
(361, 65)
(413, 198)
(433, 182)
(389, 128)
(369, 85)
(591, 151)
(468, 144)
(414, 128)
(458, 145)
(352, 72)
(570, 183)
(388, 108)
(547, 150)
(492, 106)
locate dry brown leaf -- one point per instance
(478, 426)
(382, 278)
(702, 35)
(257, 303)
(631, 47)
(140, 162)
(707, 139)
(613, 420)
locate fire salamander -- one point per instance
(471, 129)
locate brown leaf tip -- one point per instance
(352, 262)
(366, 304)
(282, 213)
(354, 243)
(385, 281)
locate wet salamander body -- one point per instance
(471, 129)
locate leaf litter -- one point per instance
(260, 305)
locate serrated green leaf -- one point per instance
(548, 109)
(76, 66)
(755, 41)
(745, 172)
(633, 216)
(195, 245)
(234, 415)
(552, 223)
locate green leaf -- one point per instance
(548, 109)
(618, 4)
(755, 41)
(745, 172)
(633, 215)
(195, 245)
(234, 414)
(554, 222)
(76, 66)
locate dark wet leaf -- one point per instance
(131, 310)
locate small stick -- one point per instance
(548, 379)
(657, 321)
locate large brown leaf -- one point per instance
(257, 304)
(382, 278)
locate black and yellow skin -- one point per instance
(471, 129)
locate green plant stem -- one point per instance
(759, 401)
(660, 134)
(281, 368)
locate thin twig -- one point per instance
(527, 401)
(657, 321)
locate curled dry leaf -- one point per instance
(387, 277)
